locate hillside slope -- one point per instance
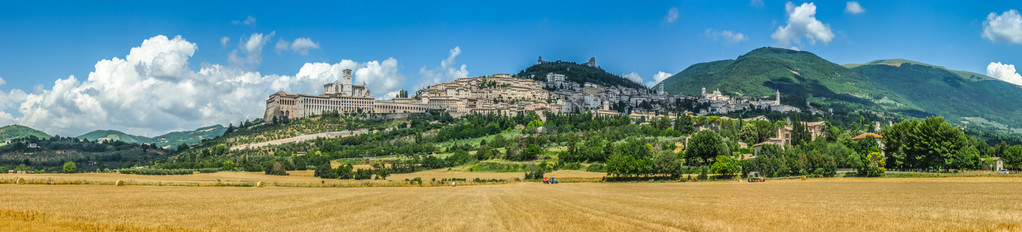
(169, 140)
(191, 137)
(115, 135)
(895, 86)
(899, 62)
(577, 73)
(952, 95)
(797, 75)
(12, 132)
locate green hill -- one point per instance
(576, 73)
(169, 140)
(189, 137)
(115, 136)
(797, 75)
(899, 62)
(895, 86)
(958, 97)
(18, 131)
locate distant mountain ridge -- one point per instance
(114, 135)
(899, 62)
(897, 86)
(169, 140)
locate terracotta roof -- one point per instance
(863, 136)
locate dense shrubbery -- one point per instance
(774, 162)
(153, 171)
(208, 170)
(276, 169)
(929, 144)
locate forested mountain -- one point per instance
(974, 98)
(577, 73)
(798, 75)
(114, 135)
(11, 132)
(191, 137)
(896, 86)
(169, 140)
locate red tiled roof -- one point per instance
(863, 136)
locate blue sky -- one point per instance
(44, 42)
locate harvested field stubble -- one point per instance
(816, 205)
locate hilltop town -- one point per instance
(505, 94)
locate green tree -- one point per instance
(383, 174)
(725, 166)
(704, 146)
(749, 134)
(667, 163)
(799, 133)
(683, 124)
(70, 167)
(874, 165)
(228, 165)
(324, 171)
(345, 171)
(967, 158)
(1012, 157)
(276, 169)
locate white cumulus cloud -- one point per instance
(224, 40)
(448, 71)
(802, 22)
(634, 77)
(1004, 72)
(727, 35)
(2, 81)
(672, 15)
(659, 77)
(303, 45)
(248, 55)
(853, 7)
(756, 3)
(1003, 28)
(248, 21)
(300, 46)
(8, 103)
(281, 46)
(153, 91)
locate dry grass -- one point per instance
(845, 204)
(296, 178)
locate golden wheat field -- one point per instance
(295, 177)
(837, 204)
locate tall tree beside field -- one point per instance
(70, 167)
(1013, 157)
(725, 166)
(704, 146)
(874, 165)
(929, 144)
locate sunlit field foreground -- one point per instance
(841, 204)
